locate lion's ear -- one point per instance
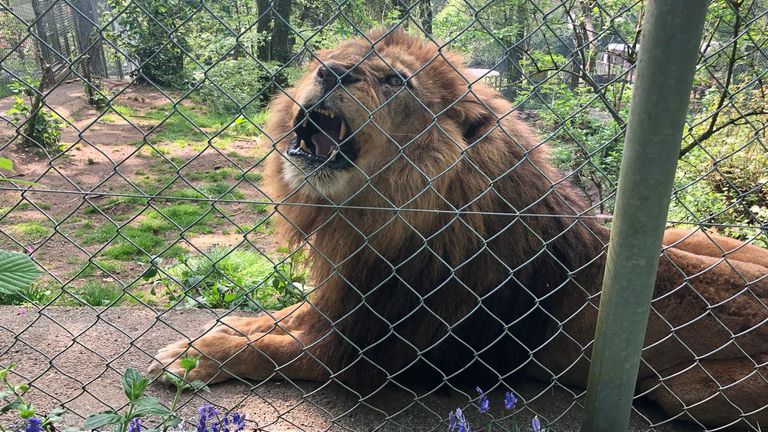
(473, 118)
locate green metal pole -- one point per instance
(669, 46)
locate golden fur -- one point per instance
(425, 291)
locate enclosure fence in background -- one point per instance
(136, 129)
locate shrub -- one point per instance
(229, 85)
(42, 127)
(145, 31)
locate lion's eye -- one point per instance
(394, 80)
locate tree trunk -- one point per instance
(281, 47)
(264, 27)
(513, 69)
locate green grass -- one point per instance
(156, 229)
(185, 126)
(100, 294)
(221, 190)
(221, 174)
(89, 234)
(240, 278)
(32, 231)
(39, 293)
(95, 267)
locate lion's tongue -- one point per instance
(324, 146)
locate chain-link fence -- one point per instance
(392, 226)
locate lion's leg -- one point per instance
(259, 357)
(714, 245)
(713, 392)
(275, 322)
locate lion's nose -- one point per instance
(329, 74)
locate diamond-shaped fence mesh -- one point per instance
(391, 225)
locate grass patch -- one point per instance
(215, 175)
(253, 177)
(151, 233)
(183, 125)
(221, 190)
(97, 266)
(31, 231)
(239, 278)
(100, 294)
(39, 293)
(89, 234)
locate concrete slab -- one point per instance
(75, 357)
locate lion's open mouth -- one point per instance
(322, 136)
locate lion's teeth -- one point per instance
(333, 155)
(304, 123)
(342, 131)
(303, 146)
(331, 115)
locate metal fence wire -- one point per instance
(144, 129)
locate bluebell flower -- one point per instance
(536, 424)
(510, 400)
(205, 413)
(134, 425)
(457, 422)
(34, 424)
(238, 422)
(483, 404)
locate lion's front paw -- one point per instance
(209, 369)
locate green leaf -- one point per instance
(189, 362)
(17, 181)
(148, 405)
(198, 385)
(11, 406)
(133, 384)
(173, 378)
(17, 272)
(6, 164)
(102, 419)
(26, 411)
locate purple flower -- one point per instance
(509, 400)
(134, 425)
(205, 413)
(34, 424)
(238, 422)
(457, 422)
(483, 404)
(536, 424)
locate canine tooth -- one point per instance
(304, 123)
(331, 114)
(333, 155)
(303, 146)
(342, 131)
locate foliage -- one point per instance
(152, 31)
(43, 128)
(243, 84)
(222, 278)
(12, 396)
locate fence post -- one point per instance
(669, 46)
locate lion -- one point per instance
(445, 247)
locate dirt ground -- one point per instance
(107, 154)
(75, 356)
